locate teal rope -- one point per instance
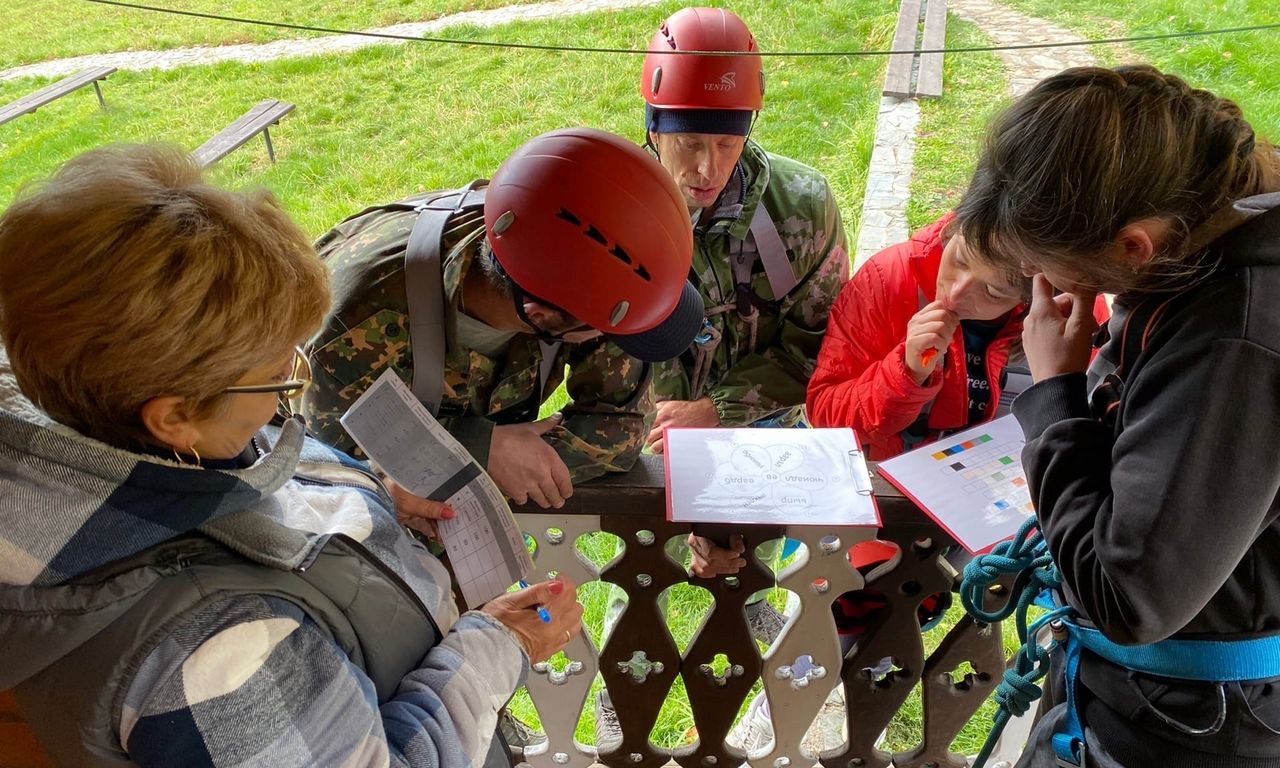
(1027, 557)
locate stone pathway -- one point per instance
(258, 52)
(884, 205)
(1006, 26)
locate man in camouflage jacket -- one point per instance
(753, 360)
(601, 428)
(493, 385)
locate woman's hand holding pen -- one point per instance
(523, 611)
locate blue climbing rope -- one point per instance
(1027, 559)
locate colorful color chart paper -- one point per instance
(971, 483)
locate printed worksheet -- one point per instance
(485, 544)
(971, 483)
(776, 476)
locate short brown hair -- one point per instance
(1090, 150)
(126, 276)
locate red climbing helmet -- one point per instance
(673, 81)
(588, 222)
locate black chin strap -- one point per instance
(518, 297)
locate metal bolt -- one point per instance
(646, 538)
(783, 672)
(555, 535)
(560, 758)
(782, 762)
(709, 760)
(644, 579)
(636, 757)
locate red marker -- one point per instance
(926, 357)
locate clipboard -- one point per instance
(768, 476)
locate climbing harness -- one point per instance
(1035, 581)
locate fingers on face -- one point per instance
(1041, 288)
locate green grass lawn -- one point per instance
(1241, 67)
(951, 128)
(384, 122)
(55, 29)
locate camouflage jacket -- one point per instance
(749, 383)
(367, 331)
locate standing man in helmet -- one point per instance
(769, 247)
(770, 253)
(769, 258)
(575, 256)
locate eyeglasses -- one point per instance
(291, 388)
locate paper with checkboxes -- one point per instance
(971, 482)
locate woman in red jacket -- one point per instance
(915, 345)
(916, 342)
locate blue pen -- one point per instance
(543, 613)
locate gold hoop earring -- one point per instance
(191, 449)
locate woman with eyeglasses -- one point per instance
(181, 583)
(1154, 469)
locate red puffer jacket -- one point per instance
(862, 380)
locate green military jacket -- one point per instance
(766, 381)
(367, 331)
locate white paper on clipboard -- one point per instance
(773, 476)
(485, 544)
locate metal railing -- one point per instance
(640, 662)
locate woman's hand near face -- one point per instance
(1057, 335)
(519, 612)
(929, 329)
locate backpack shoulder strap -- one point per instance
(777, 267)
(424, 289)
(1140, 321)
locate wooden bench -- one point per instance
(257, 120)
(928, 68)
(32, 102)
(18, 746)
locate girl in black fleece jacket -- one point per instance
(1162, 515)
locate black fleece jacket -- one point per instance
(1168, 523)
